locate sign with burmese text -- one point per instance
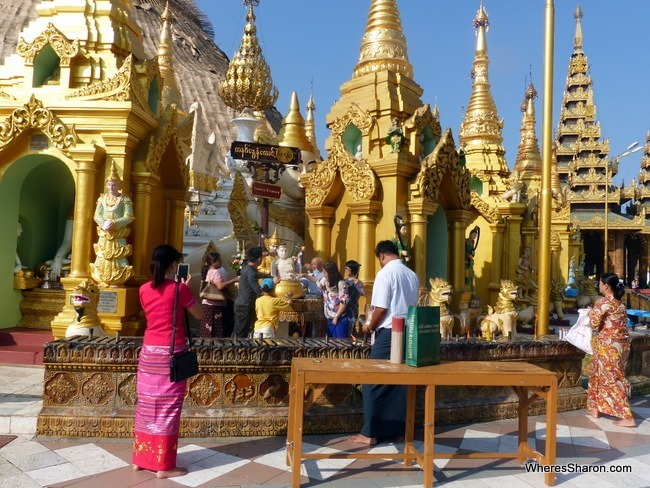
(266, 153)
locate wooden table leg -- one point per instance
(522, 416)
(410, 424)
(551, 431)
(293, 395)
(297, 430)
(429, 421)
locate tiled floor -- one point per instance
(583, 443)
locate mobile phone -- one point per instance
(182, 272)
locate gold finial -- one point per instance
(310, 125)
(529, 159)
(170, 92)
(293, 133)
(577, 39)
(113, 175)
(248, 81)
(383, 46)
(481, 121)
(274, 240)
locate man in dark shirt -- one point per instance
(249, 290)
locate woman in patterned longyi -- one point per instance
(608, 388)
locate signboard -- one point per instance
(250, 151)
(107, 302)
(266, 190)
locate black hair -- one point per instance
(353, 266)
(386, 247)
(614, 283)
(210, 259)
(333, 274)
(254, 253)
(162, 258)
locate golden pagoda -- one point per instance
(388, 156)
(73, 103)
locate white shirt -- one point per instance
(396, 288)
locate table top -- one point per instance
(353, 371)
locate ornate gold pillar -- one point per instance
(497, 231)
(457, 224)
(87, 159)
(176, 201)
(142, 185)
(323, 218)
(366, 213)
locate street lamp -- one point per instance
(613, 162)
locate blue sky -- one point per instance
(314, 44)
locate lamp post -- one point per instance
(632, 148)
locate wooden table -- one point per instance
(528, 382)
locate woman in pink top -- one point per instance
(158, 411)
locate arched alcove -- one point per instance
(437, 245)
(47, 67)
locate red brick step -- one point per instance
(22, 345)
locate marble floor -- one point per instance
(583, 446)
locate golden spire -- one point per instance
(529, 159)
(113, 175)
(310, 125)
(248, 81)
(577, 39)
(293, 133)
(170, 92)
(383, 46)
(481, 120)
(556, 184)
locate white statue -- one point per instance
(62, 257)
(284, 266)
(19, 265)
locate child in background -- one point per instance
(267, 309)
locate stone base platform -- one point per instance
(242, 388)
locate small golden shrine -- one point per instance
(78, 96)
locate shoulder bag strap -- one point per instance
(171, 346)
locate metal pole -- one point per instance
(605, 267)
(544, 258)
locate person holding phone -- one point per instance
(158, 410)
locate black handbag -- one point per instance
(186, 364)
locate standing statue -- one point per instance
(401, 231)
(113, 215)
(471, 243)
(525, 275)
(395, 136)
(287, 269)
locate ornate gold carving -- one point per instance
(422, 118)
(166, 134)
(443, 160)
(358, 176)
(65, 49)
(274, 390)
(491, 214)
(204, 390)
(126, 390)
(98, 389)
(33, 115)
(239, 390)
(60, 389)
(237, 210)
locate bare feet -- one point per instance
(362, 439)
(136, 467)
(593, 412)
(172, 473)
(625, 423)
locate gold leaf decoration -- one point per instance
(64, 48)
(33, 115)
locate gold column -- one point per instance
(544, 291)
(143, 185)
(366, 213)
(323, 218)
(643, 261)
(176, 201)
(457, 223)
(84, 208)
(418, 216)
(497, 231)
